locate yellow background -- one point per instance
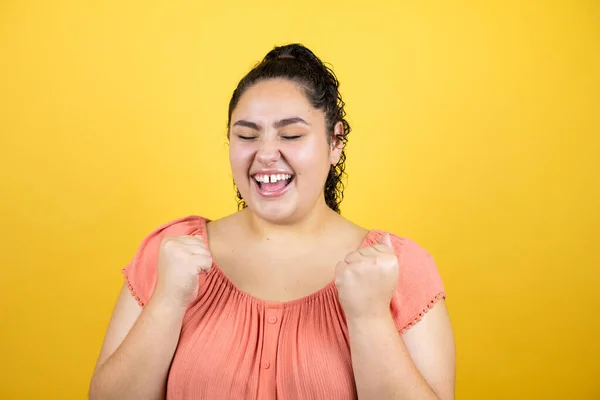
(475, 132)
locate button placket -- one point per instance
(272, 327)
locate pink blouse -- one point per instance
(235, 346)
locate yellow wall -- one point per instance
(480, 120)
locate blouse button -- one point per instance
(272, 320)
(266, 365)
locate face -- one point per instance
(279, 150)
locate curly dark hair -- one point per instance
(300, 65)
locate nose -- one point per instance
(268, 152)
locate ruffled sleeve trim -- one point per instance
(132, 291)
(419, 317)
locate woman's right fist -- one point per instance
(180, 260)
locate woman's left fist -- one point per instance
(367, 279)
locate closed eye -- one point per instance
(292, 137)
(246, 137)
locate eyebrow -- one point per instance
(277, 124)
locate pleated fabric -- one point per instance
(235, 346)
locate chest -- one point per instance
(233, 346)
(277, 273)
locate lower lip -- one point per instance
(271, 194)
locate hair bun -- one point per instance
(294, 51)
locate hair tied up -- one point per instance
(321, 88)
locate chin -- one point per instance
(278, 212)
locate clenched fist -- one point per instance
(366, 280)
(180, 260)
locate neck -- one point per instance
(311, 225)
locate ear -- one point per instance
(336, 144)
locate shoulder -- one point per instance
(181, 226)
(141, 272)
(188, 225)
(420, 285)
(407, 250)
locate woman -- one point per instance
(284, 298)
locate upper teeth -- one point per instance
(271, 178)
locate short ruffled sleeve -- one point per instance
(141, 273)
(419, 287)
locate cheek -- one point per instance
(310, 159)
(240, 158)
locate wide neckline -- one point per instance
(217, 270)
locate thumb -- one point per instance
(387, 240)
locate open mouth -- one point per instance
(272, 184)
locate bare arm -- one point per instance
(137, 351)
(417, 365)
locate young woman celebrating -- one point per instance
(285, 298)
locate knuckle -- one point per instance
(169, 241)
